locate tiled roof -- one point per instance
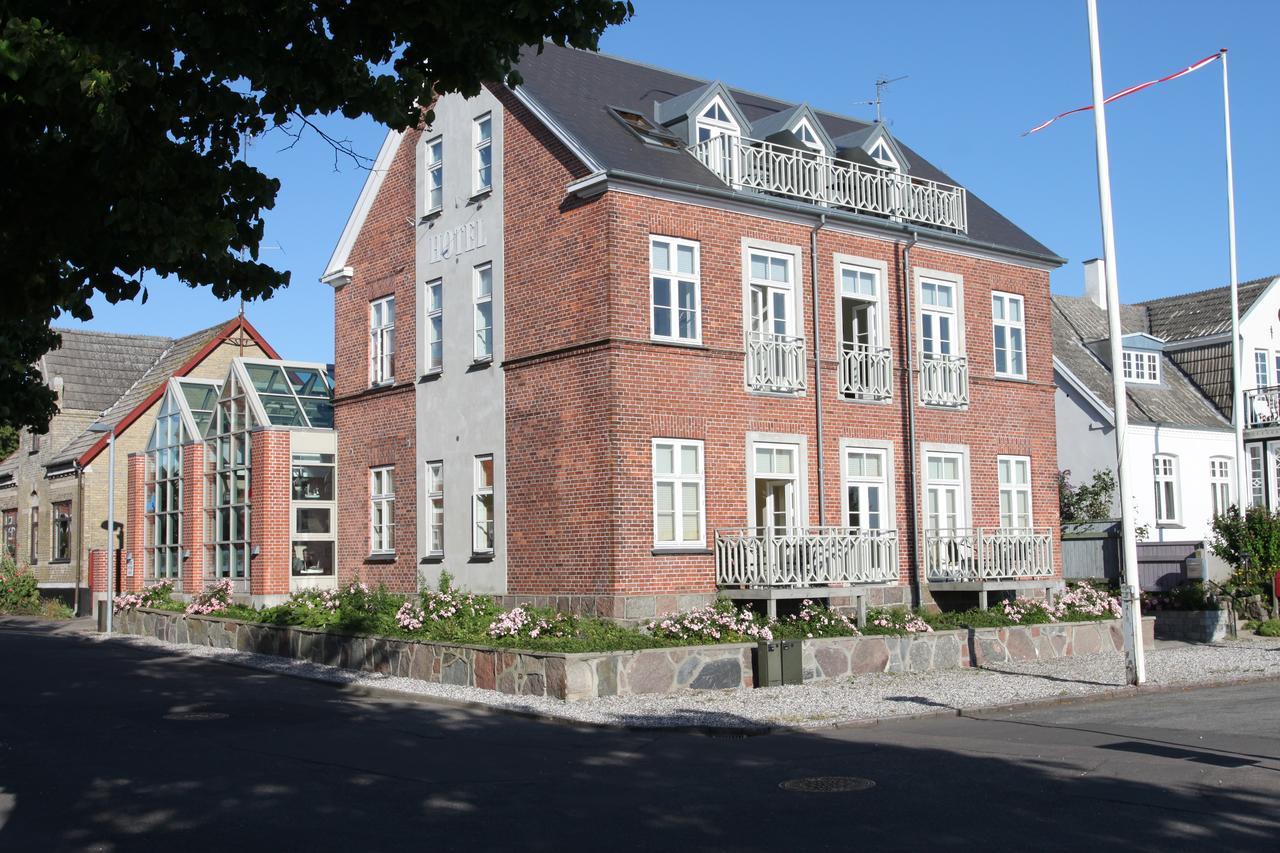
(1077, 321)
(576, 88)
(97, 367)
(1201, 314)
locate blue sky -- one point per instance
(981, 72)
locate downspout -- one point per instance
(913, 472)
(817, 369)
(80, 549)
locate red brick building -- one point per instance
(620, 339)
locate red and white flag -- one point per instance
(1138, 88)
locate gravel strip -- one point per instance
(857, 699)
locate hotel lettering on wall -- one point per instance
(456, 241)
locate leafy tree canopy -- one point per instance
(121, 120)
(1091, 501)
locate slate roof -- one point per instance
(1201, 314)
(1077, 321)
(575, 88)
(171, 358)
(97, 367)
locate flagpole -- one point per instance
(1237, 369)
(1135, 659)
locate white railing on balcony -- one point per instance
(753, 164)
(1262, 407)
(775, 362)
(805, 557)
(988, 553)
(944, 380)
(866, 372)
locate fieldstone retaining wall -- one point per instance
(588, 675)
(1193, 626)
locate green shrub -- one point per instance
(895, 620)
(1269, 628)
(52, 608)
(19, 589)
(1250, 543)
(814, 621)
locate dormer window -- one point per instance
(1142, 367)
(882, 155)
(804, 132)
(715, 121)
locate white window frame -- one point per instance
(816, 145)
(1013, 489)
(1165, 473)
(954, 313)
(382, 340)
(435, 508)
(479, 492)
(715, 127)
(1004, 302)
(885, 156)
(1257, 477)
(1261, 368)
(678, 479)
(433, 176)
(675, 280)
(1220, 483)
(863, 481)
(481, 144)
(964, 500)
(1141, 367)
(793, 323)
(382, 541)
(435, 337)
(479, 300)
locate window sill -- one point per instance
(480, 364)
(431, 375)
(1000, 377)
(874, 401)
(65, 561)
(386, 383)
(485, 557)
(1170, 525)
(677, 342)
(681, 552)
(481, 193)
(431, 214)
(432, 558)
(380, 558)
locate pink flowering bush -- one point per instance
(1085, 602)
(527, 622)
(721, 622)
(895, 620)
(815, 621)
(214, 599)
(158, 595)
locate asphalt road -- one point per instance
(99, 751)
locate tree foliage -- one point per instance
(1250, 543)
(121, 120)
(1091, 501)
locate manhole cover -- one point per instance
(827, 784)
(196, 716)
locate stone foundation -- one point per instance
(626, 609)
(1192, 626)
(588, 675)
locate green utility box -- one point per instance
(792, 662)
(768, 663)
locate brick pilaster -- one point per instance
(193, 520)
(270, 491)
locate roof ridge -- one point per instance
(64, 330)
(1218, 289)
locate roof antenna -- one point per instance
(881, 85)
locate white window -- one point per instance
(860, 306)
(435, 325)
(1257, 479)
(435, 175)
(1261, 378)
(1141, 366)
(881, 154)
(675, 290)
(482, 292)
(482, 157)
(1220, 483)
(772, 288)
(804, 132)
(715, 121)
(435, 508)
(382, 510)
(1015, 491)
(938, 307)
(866, 489)
(1009, 335)
(944, 491)
(382, 341)
(482, 506)
(1166, 477)
(678, 501)
(775, 488)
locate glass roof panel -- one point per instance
(319, 412)
(267, 378)
(282, 410)
(307, 382)
(200, 396)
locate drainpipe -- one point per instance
(80, 549)
(913, 465)
(817, 368)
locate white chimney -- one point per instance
(1095, 282)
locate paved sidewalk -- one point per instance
(855, 700)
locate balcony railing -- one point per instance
(805, 557)
(1262, 407)
(988, 553)
(866, 372)
(944, 380)
(775, 362)
(779, 170)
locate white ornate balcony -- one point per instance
(1262, 407)
(753, 164)
(805, 557)
(988, 554)
(775, 362)
(944, 380)
(866, 372)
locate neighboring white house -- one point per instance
(1177, 366)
